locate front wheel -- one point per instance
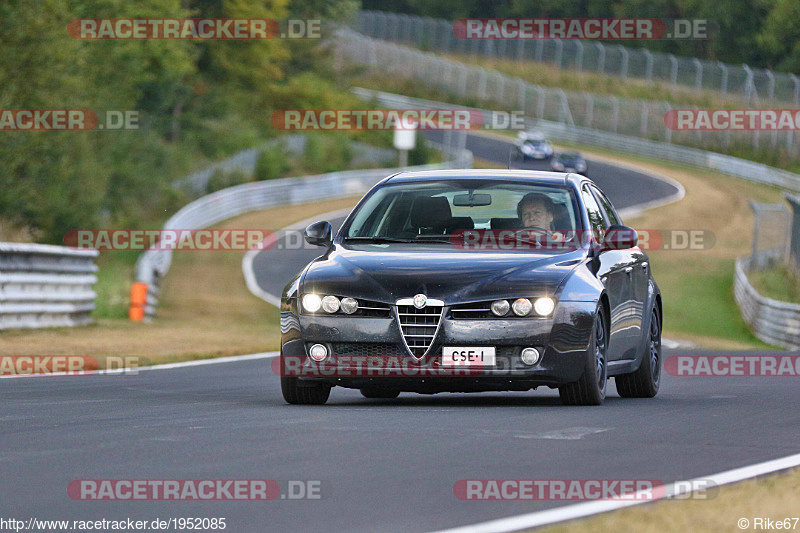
(310, 394)
(591, 388)
(645, 381)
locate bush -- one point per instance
(222, 180)
(421, 154)
(272, 163)
(327, 154)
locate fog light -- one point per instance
(311, 303)
(544, 306)
(318, 352)
(530, 356)
(349, 305)
(522, 306)
(330, 304)
(500, 307)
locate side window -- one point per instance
(592, 209)
(606, 206)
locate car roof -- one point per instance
(539, 177)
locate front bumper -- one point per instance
(351, 341)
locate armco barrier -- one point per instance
(153, 265)
(771, 321)
(45, 286)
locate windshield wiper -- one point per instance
(375, 239)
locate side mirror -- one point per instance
(319, 234)
(619, 237)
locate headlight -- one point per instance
(558, 166)
(311, 303)
(349, 305)
(544, 306)
(580, 167)
(527, 149)
(500, 307)
(522, 306)
(330, 304)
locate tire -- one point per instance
(374, 392)
(591, 388)
(645, 381)
(296, 394)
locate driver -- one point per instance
(537, 211)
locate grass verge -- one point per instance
(777, 283)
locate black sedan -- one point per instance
(569, 162)
(469, 281)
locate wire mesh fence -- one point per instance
(759, 87)
(482, 87)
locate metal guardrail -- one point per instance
(45, 286)
(153, 265)
(771, 321)
(732, 166)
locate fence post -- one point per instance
(648, 76)
(589, 109)
(673, 73)
(643, 119)
(771, 88)
(559, 51)
(615, 120)
(724, 83)
(601, 58)
(521, 50)
(698, 75)
(623, 71)
(667, 131)
(578, 55)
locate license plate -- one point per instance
(481, 356)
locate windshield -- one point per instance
(415, 211)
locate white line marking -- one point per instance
(166, 366)
(575, 433)
(580, 510)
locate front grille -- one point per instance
(419, 326)
(367, 348)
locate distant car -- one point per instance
(533, 145)
(395, 283)
(569, 162)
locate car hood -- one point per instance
(389, 272)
